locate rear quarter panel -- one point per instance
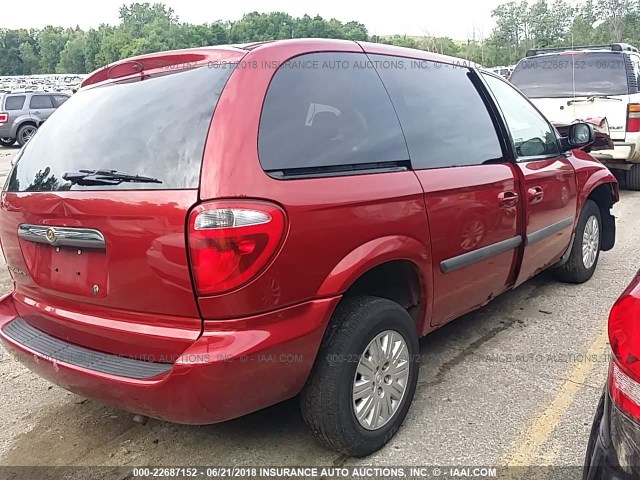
(338, 227)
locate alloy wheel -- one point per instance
(381, 380)
(28, 133)
(590, 242)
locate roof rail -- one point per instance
(614, 47)
(623, 47)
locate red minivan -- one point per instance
(200, 234)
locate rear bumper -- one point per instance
(236, 367)
(6, 131)
(613, 452)
(621, 153)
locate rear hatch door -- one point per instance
(566, 110)
(93, 213)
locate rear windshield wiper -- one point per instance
(105, 177)
(605, 97)
(592, 98)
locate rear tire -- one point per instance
(585, 250)
(25, 132)
(7, 142)
(621, 176)
(632, 178)
(350, 346)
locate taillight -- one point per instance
(624, 336)
(633, 117)
(4, 118)
(231, 242)
(625, 392)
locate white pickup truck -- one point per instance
(595, 81)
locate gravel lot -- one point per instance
(515, 383)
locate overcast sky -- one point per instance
(454, 18)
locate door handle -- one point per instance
(535, 194)
(508, 199)
(36, 113)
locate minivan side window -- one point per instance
(328, 110)
(14, 103)
(41, 101)
(531, 133)
(444, 119)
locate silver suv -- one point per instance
(22, 113)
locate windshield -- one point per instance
(154, 128)
(596, 73)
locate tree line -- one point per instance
(521, 26)
(146, 28)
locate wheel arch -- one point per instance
(19, 122)
(25, 122)
(396, 267)
(605, 195)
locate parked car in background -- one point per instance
(590, 82)
(613, 452)
(289, 232)
(21, 114)
(40, 83)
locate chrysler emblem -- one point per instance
(51, 235)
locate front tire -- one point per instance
(364, 378)
(585, 250)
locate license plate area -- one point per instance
(77, 271)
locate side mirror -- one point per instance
(580, 135)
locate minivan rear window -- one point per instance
(575, 74)
(154, 127)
